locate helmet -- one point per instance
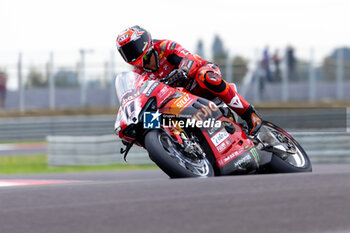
(133, 43)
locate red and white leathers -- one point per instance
(204, 77)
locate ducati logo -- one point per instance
(236, 102)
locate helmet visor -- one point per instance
(134, 49)
(147, 57)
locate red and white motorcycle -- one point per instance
(190, 136)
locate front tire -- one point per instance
(163, 151)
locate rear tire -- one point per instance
(162, 151)
(279, 165)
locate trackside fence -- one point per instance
(87, 150)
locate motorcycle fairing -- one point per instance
(230, 150)
(228, 146)
(244, 163)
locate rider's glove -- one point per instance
(176, 77)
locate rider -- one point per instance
(160, 57)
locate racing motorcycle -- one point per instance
(190, 136)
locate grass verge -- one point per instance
(38, 164)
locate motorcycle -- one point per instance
(189, 136)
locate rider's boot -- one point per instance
(245, 110)
(253, 120)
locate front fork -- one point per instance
(190, 145)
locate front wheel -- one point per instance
(164, 152)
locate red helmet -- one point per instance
(133, 43)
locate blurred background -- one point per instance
(265, 74)
(58, 60)
(62, 54)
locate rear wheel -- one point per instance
(166, 154)
(288, 155)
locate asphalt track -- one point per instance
(147, 201)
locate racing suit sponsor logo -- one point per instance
(185, 52)
(172, 46)
(163, 45)
(188, 65)
(235, 102)
(255, 119)
(162, 60)
(160, 56)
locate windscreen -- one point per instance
(125, 83)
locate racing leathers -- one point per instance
(204, 78)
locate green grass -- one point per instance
(38, 164)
